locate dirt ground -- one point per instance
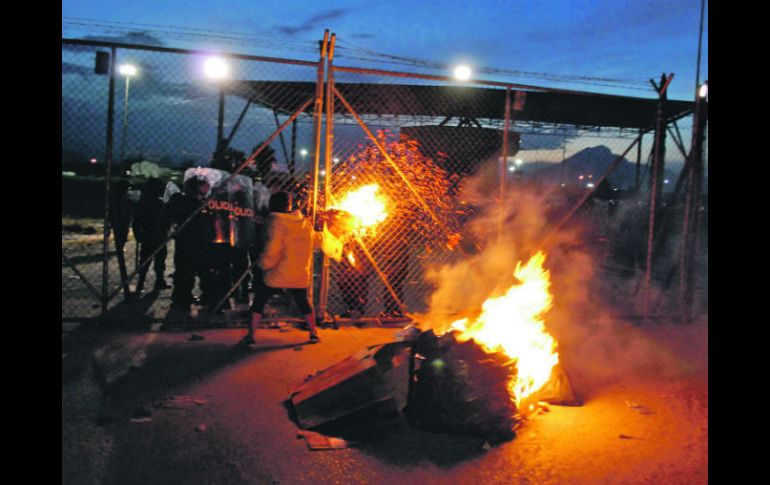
(644, 418)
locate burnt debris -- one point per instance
(436, 383)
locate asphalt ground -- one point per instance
(158, 405)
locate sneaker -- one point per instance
(314, 338)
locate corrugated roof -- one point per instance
(582, 109)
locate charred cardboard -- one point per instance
(371, 380)
(436, 383)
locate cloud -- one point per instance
(69, 68)
(136, 37)
(314, 21)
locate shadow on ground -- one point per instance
(134, 311)
(384, 434)
(169, 367)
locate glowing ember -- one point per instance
(351, 258)
(365, 205)
(512, 323)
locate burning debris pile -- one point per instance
(481, 376)
(437, 383)
(458, 387)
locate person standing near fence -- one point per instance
(121, 213)
(151, 224)
(191, 258)
(286, 262)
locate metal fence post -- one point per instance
(317, 115)
(691, 225)
(221, 118)
(638, 162)
(656, 184)
(323, 297)
(108, 168)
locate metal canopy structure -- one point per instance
(582, 109)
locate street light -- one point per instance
(216, 68)
(703, 91)
(462, 72)
(127, 70)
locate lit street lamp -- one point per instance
(126, 70)
(462, 72)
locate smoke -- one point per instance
(461, 286)
(595, 347)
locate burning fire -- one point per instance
(512, 323)
(366, 206)
(359, 211)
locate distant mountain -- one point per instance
(591, 163)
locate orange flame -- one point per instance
(512, 323)
(366, 206)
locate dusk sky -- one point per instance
(610, 46)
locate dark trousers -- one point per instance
(262, 293)
(158, 262)
(188, 263)
(216, 279)
(239, 264)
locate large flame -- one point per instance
(367, 207)
(357, 213)
(512, 323)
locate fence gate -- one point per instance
(412, 146)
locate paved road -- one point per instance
(228, 424)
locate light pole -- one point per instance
(217, 69)
(126, 70)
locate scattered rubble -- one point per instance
(317, 441)
(640, 408)
(178, 402)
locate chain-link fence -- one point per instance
(435, 153)
(164, 123)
